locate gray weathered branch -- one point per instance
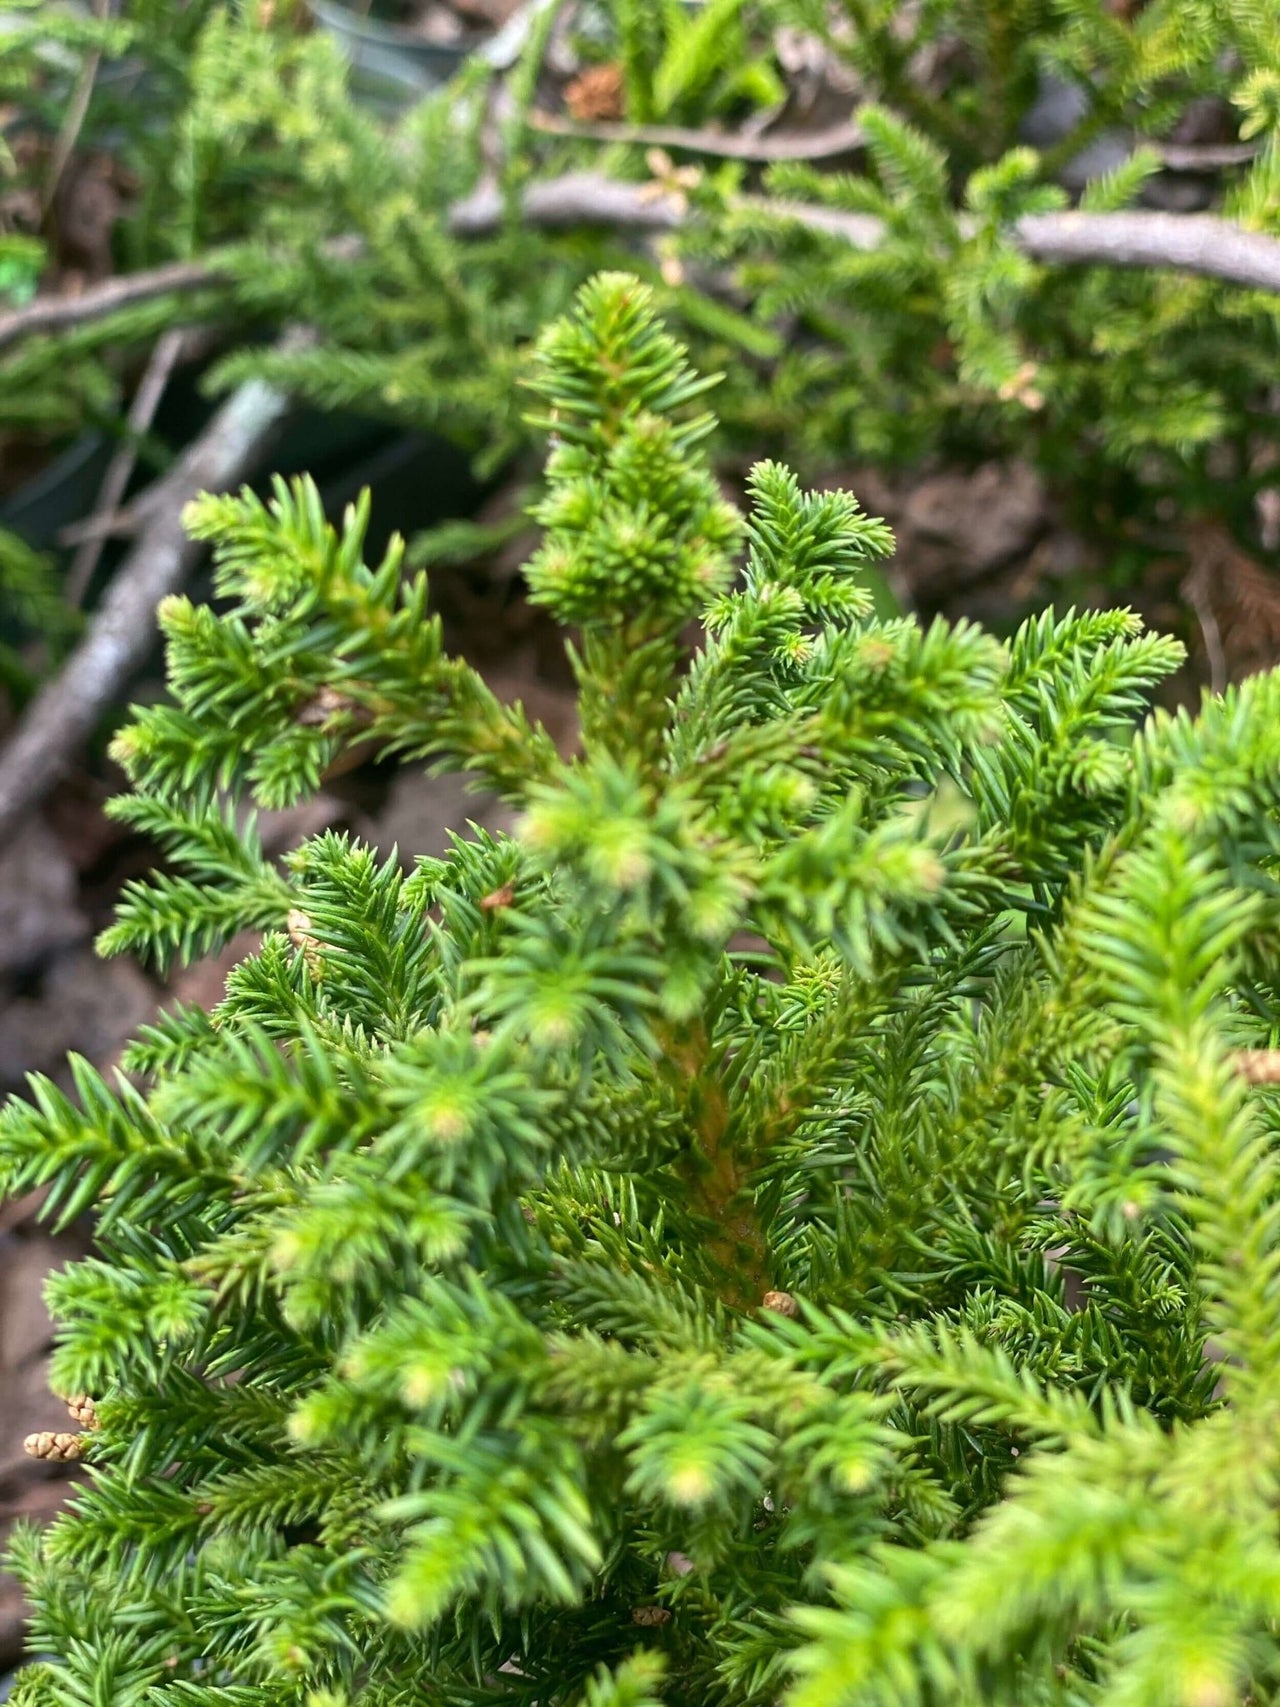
(63, 313)
(1190, 242)
(1185, 242)
(719, 145)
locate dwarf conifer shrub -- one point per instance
(799, 1221)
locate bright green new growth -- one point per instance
(792, 1222)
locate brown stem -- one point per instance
(164, 358)
(63, 313)
(720, 145)
(714, 1171)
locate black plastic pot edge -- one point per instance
(391, 67)
(62, 492)
(342, 451)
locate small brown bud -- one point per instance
(650, 1615)
(324, 704)
(781, 1303)
(596, 94)
(498, 899)
(298, 925)
(1258, 1066)
(57, 1448)
(84, 1411)
(1019, 389)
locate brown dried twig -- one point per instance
(1196, 592)
(146, 400)
(817, 145)
(72, 124)
(1202, 156)
(64, 313)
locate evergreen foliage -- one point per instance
(1145, 399)
(799, 1219)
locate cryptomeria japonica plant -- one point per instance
(798, 1221)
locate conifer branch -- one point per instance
(800, 1170)
(123, 628)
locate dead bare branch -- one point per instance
(721, 145)
(1197, 243)
(1203, 156)
(576, 198)
(63, 313)
(1183, 242)
(1191, 242)
(146, 400)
